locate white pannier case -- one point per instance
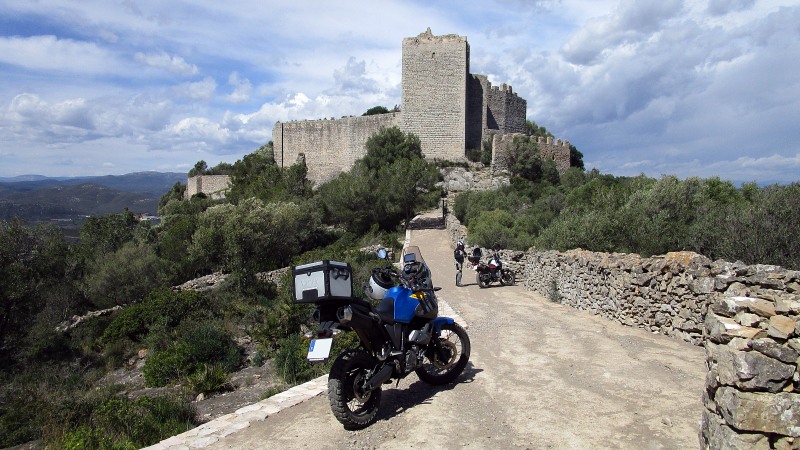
(322, 281)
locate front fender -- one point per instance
(440, 321)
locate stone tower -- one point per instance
(434, 103)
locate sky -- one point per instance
(707, 88)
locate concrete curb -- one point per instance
(214, 430)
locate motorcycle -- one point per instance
(400, 335)
(492, 271)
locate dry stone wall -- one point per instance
(746, 316)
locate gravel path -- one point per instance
(541, 375)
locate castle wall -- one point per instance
(213, 186)
(330, 146)
(556, 150)
(434, 102)
(476, 110)
(507, 108)
(449, 109)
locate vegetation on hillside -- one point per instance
(270, 219)
(50, 381)
(639, 215)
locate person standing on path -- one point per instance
(459, 255)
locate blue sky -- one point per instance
(688, 88)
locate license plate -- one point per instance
(319, 349)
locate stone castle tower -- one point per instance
(449, 109)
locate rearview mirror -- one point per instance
(382, 253)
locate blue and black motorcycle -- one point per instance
(399, 335)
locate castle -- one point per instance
(447, 107)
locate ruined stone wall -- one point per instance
(506, 110)
(434, 101)
(213, 186)
(330, 146)
(556, 150)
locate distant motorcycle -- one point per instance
(492, 271)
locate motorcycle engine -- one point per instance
(413, 358)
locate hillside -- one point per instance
(64, 199)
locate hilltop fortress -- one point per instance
(450, 109)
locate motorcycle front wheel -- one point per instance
(507, 277)
(483, 281)
(445, 360)
(351, 405)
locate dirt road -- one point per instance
(541, 375)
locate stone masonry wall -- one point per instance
(506, 110)
(746, 316)
(434, 101)
(449, 109)
(213, 186)
(557, 151)
(330, 146)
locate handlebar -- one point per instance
(407, 280)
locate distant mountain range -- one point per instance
(36, 198)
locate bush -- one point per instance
(291, 362)
(209, 378)
(160, 306)
(197, 344)
(121, 423)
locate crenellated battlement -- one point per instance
(447, 107)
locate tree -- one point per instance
(388, 145)
(575, 157)
(535, 130)
(33, 264)
(252, 236)
(376, 110)
(256, 175)
(200, 168)
(125, 276)
(175, 193)
(106, 234)
(409, 184)
(384, 187)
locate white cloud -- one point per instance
(196, 90)
(242, 89)
(49, 53)
(170, 63)
(639, 86)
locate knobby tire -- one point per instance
(354, 409)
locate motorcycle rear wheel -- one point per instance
(351, 406)
(454, 344)
(507, 277)
(482, 281)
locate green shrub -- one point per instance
(209, 378)
(197, 344)
(165, 366)
(160, 306)
(290, 360)
(121, 423)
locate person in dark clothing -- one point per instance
(459, 254)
